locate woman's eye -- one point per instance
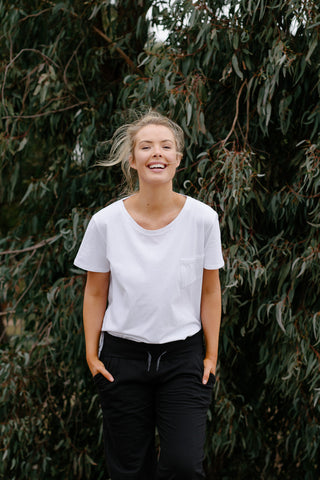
(167, 147)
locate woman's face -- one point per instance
(155, 155)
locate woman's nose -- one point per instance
(157, 152)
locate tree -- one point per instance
(243, 82)
(62, 68)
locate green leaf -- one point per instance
(22, 144)
(312, 47)
(189, 112)
(235, 65)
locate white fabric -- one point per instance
(155, 275)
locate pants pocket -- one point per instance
(111, 364)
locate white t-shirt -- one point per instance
(155, 275)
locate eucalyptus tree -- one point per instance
(242, 78)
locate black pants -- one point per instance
(157, 385)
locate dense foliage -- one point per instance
(243, 80)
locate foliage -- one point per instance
(244, 82)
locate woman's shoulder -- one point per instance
(108, 212)
(202, 209)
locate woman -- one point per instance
(152, 293)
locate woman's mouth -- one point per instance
(157, 166)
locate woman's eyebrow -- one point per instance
(151, 141)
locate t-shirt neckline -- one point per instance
(158, 230)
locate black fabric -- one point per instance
(157, 385)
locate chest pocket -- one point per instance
(191, 270)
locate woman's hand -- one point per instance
(209, 366)
(94, 306)
(96, 366)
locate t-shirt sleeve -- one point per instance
(213, 258)
(92, 254)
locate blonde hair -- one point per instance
(123, 143)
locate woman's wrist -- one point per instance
(92, 358)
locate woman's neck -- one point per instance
(154, 208)
(155, 198)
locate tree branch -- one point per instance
(36, 115)
(237, 113)
(41, 244)
(26, 290)
(113, 44)
(119, 50)
(13, 60)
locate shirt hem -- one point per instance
(139, 339)
(90, 269)
(214, 267)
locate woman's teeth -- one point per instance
(157, 165)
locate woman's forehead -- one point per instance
(154, 132)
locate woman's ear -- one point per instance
(132, 162)
(179, 158)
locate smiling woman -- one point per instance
(152, 308)
(155, 150)
(125, 139)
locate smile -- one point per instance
(157, 166)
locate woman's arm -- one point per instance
(94, 306)
(210, 318)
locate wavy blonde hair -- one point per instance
(123, 143)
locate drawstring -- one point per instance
(149, 360)
(159, 360)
